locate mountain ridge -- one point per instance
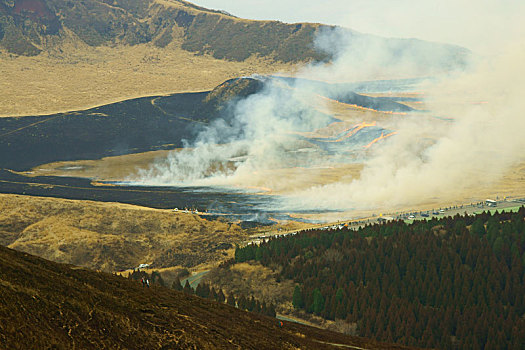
(28, 27)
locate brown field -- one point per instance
(75, 76)
(106, 169)
(253, 279)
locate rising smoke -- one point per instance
(471, 134)
(483, 140)
(260, 136)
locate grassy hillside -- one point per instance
(28, 27)
(49, 305)
(111, 236)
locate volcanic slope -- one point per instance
(134, 126)
(49, 305)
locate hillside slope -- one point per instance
(50, 305)
(28, 27)
(447, 283)
(93, 52)
(112, 236)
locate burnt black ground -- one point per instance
(137, 125)
(134, 126)
(153, 197)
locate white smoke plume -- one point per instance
(484, 138)
(229, 153)
(472, 134)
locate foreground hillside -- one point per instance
(49, 305)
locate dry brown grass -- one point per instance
(76, 76)
(111, 236)
(252, 278)
(106, 169)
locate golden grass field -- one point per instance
(112, 236)
(74, 76)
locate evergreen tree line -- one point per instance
(455, 282)
(204, 290)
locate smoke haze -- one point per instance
(481, 26)
(469, 135)
(481, 142)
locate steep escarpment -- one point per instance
(28, 27)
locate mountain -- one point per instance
(28, 27)
(49, 305)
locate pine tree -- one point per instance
(297, 299)
(220, 296)
(242, 302)
(187, 288)
(251, 304)
(318, 302)
(231, 300)
(199, 291)
(213, 294)
(271, 311)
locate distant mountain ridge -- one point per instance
(28, 27)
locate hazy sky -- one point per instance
(479, 25)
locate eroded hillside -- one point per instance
(30, 26)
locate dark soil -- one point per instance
(153, 197)
(136, 125)
(131, 126)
